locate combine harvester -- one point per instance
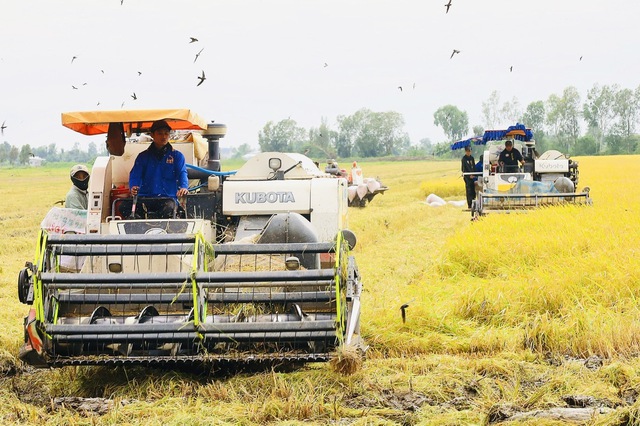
(258, 270)
(547, 179)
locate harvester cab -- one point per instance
(547, 179)
(258, 268)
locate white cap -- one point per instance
(78, 168)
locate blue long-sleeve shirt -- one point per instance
(159, 173)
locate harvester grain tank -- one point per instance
(258, 268)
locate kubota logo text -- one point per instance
(264, 197)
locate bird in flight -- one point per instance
(448, 5)
(74, 87)
(102, 71)
(3, 126)
(454, 52)
(400, 87)
(326, 64)
(580, 57)
(139, 73)
(73, 59)
(414, 86)
(511, 68)
(134, 96)
(198, 54)
(202, 78)
(193, 39)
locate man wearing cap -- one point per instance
(77, 197)
(510, 157)
(468, 166)
(160, 171)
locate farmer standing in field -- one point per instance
(468, 166)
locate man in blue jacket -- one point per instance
(160, 171)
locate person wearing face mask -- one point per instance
(77, 197)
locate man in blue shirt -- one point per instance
(160, 171)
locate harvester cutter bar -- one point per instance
(236, 249)
(194, 360)
(122, 249)
(208, 279)
(174, 327)
(234, 297)
(178, 285)
(191, 336)
(120, 239)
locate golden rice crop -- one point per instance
(503, 314)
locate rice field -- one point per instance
(508, 316)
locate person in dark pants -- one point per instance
(510, 157)
(468, 166)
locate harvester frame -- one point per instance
(260, 269)
(548, 179)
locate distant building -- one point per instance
(36, 161)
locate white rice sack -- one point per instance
(434, 200)
(351, 192)
(373, 185)
(362, 190)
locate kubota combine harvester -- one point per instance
(259, 269)
(547, 179)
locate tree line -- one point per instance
(13, 155)
(611, 115)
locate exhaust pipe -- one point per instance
(213, 134)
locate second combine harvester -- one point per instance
(547, 179)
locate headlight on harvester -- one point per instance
(292, 263)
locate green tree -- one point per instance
(14, 153)
(477, 130)
(491, 112)
(626, 107)
(5, 149)
(25, 153)
(371, 134)
(563, 115)
(533, 116)
(454, 123)
(321, 141)
(242, 150)
(92, 151)
(598, 110)
(510, 111)
(586, 145)
(284, 136)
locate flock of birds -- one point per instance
(201, 78)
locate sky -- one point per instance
(308, 60)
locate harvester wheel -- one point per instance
(24, 284)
